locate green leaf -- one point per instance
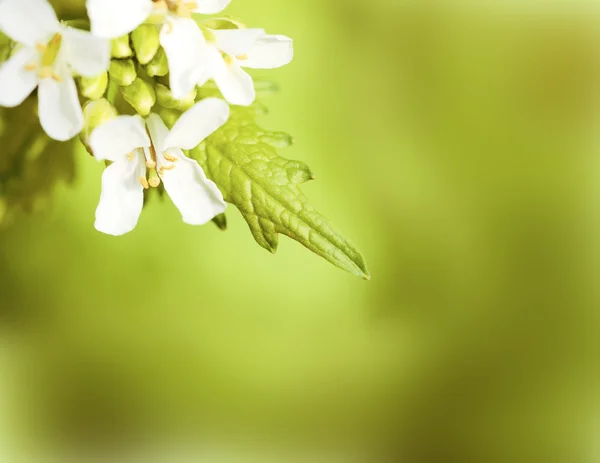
(242, 159)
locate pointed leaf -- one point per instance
(244, 163)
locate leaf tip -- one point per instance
(220, 221)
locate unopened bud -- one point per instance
(95, 113)
(122, 72)
(93, 87)
(166, 99)
(145, 41)
(140, 94)
(121, 48)
(159, 66)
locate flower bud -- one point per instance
(121, 48)
(145, 41)
(166, 99)
(93, 87)
(95, 113)
(140, 94)
(122, 71)
(159, 66)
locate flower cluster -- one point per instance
(139, 59)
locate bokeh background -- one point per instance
(457, 145)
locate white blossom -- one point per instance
(180, 36)
(48, 53)
(225, 52)
(144, 153)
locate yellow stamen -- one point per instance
(170, 157)
(242, 57)
(169, 167)
(150, 154)
(40, 47)
(56, 77)
(31, 66)
(130, 156)
(228, 60)
(144, 182)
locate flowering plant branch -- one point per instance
(158, 92)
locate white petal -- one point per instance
(269, 52)
(114, 18)
(28, 21)
(211, 63)
(236, 85)
(118, 137)
(197, 198)
(58, 106)
(158, 131)
(183, 43)
(16, 83)
(122, 197)
(211, 6)
(197, 123)
(87, 55)
(237, 42)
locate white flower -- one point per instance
(49, 52)
(180, 36)
(144, 153)
(228, 50)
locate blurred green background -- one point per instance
(457, 145)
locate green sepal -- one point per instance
(140, 95)
(120, 47)
(122, 72)
(93, 87)
(241, 159)
(145, 40)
